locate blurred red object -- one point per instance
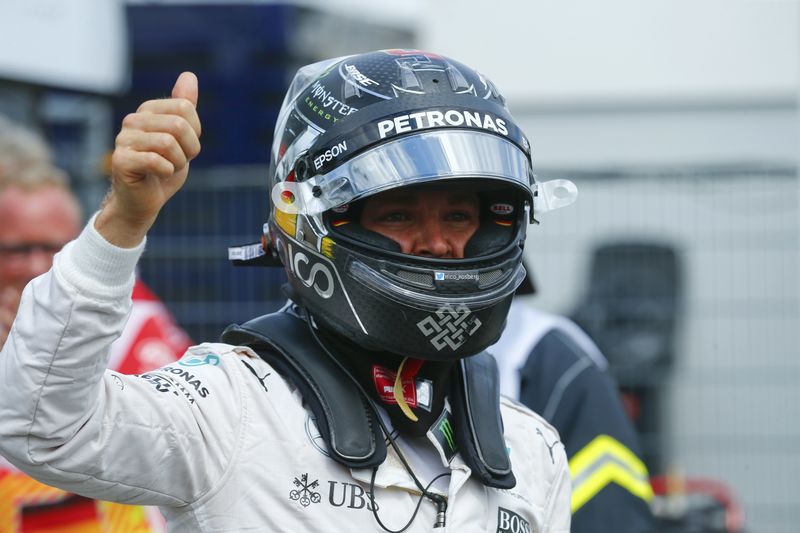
(696, 504)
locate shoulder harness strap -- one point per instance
(347, 420)
(475, 400)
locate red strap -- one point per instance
(411, 368)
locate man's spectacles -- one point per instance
(26, 249)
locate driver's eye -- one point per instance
(395, 216)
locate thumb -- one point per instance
(186, 87)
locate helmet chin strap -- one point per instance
(404, 372)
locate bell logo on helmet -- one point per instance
(310, 279)
(501, 209)
(438, 119)
(450, 326)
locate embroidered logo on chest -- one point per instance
(442, 431)
(304, 491)
(510, 522)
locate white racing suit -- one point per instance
(218, 440)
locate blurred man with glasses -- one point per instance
(39, 214)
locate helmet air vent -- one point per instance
(408, 79)
(457, 80)
(489, 278)
(421, 279)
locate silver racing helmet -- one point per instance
(356, 126)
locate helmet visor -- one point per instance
(409, 160)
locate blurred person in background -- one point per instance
(402, 189)
(548, 363)
(39, 214)
(19, 147)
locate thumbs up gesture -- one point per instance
(150, 162)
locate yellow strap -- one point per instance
(399, 396)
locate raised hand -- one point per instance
(150, 162)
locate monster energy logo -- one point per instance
(442, 431)
(447, 431)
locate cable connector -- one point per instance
(441, 509)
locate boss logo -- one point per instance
(511, 522)
(318, 276)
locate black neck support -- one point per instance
(346, 418)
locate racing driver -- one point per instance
(400, 189)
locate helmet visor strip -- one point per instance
(409, 160)
(428, 300)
